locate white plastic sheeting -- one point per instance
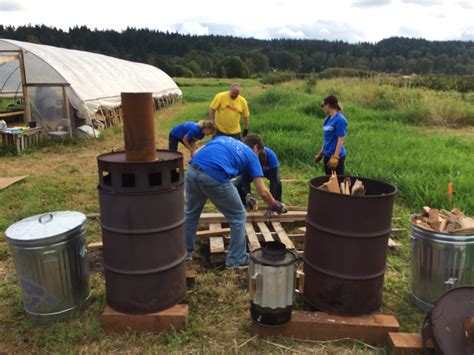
(95, 80)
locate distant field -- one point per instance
(384, 142)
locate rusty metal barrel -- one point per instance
(346, 247)
(142, 218)
(141, 196)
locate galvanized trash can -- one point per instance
(440, 261)
(49, 252)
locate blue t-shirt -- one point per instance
(224, 158)
(333, 128)
(191, 129)
(272, 160)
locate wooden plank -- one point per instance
(283, 235)
(321, 326)
(267, 236)
(8, 58)
(94, 246)
(171, 319)
(5, 182)
(252, 240)
(12, 113)
(259, 216)
(213, 233)
(26, 95)
(393, 244)
(408, 343)
(216, 245)
(67, 110)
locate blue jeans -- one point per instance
(173, 143)
(199, 187)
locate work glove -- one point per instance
(250, 202)
(318, 157)
(333, 162)
(245, 133)
(278, 207)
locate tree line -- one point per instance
(227, 56)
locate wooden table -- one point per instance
(21, 141)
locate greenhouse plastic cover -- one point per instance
(95, 80)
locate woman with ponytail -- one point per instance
(188, 133)
(333, 152)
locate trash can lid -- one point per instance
(51, 226)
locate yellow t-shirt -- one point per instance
(228, 112)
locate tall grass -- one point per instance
(379, 144)
(411, 105)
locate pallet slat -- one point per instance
(216, 245)
(283, 235)
(267, 236)
(259, 216)
(253, 242)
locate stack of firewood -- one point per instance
(345, 187)
(455, 222)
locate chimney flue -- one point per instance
(139, 126)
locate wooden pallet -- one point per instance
(257, 233)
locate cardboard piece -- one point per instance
(5, 182)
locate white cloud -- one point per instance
(194, 28)
(371, 3)
(349, 20)
(287, 33)
(8, 6)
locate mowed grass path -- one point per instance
(381, 145)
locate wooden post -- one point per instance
(67, 110)
(26, 98)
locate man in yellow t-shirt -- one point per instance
(226, 110)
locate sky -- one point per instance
(347, 20)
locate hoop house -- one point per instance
(57, 84)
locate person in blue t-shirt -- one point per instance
(269, 162)
(209, 177)
(188, 133)
(335, 130)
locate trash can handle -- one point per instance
(46, 218)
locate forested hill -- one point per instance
(186, 55)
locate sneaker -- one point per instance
(237, 267)
(188, 258)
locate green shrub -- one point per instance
(277, 77)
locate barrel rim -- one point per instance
(438, 235)
(102, 158)
(390, 194)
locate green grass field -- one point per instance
(385, 141)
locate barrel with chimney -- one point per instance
(142, 217)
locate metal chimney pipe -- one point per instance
(138, 126)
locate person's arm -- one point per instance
(340, 142)
(212, 114)
(245, 118)
(189, 144)
(263, 192)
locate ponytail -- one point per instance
(207, 124)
